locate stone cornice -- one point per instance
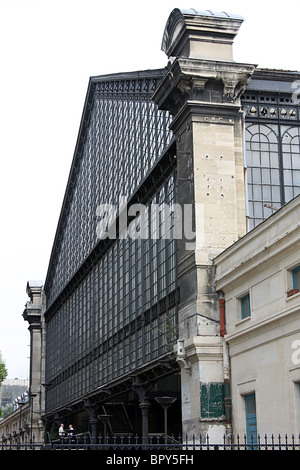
(32, 314)
(187, 80)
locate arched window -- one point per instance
(263, 171)
(291, 161)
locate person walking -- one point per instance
(61, 431)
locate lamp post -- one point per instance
(165, 402)
(32, 397)
(21, 402)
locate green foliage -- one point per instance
(3, 375)
(3, 370)
(7, 410)
(168, 329)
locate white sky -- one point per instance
(49, 49)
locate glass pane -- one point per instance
(265, 176)
(258, 210)
(265, 159)
(267, 193)
(288, 180)
(296, 176)
(274, 160)
(286, 158)
(245, 306)
(251, 406)
(289, 193)
(256, 193)
(276, 194)
(296, 162)
(275, 176)
(296, 278)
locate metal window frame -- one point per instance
(295, 285)
(271, 106)
(245, 298)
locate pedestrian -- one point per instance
(71, 430)
(61, 430)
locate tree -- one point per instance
(3, 370)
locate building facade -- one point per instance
(10, 389)
(171, 167)
(25, 424)
(258, 278)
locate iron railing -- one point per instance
(155, 442)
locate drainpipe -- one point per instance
(227, 392)
(222, 317)
(226, 367)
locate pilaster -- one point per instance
(33, 315)
(202, 89)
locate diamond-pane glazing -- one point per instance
(126, 134)
(112, 320)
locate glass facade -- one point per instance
(272, 137)
(121, 311)
(118, 318)
(123, 137)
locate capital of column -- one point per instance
(91, 408)
(33, 308)
(203, 82)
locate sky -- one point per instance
(48, 51)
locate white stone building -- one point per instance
(258, 277)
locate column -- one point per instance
(92, 410)
(201, 89)
(33, 314)
(142, 388)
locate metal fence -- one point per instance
(154, 443)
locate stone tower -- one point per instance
(33, 314)
(201, 89)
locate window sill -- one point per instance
(292, 294)
(239, 322)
